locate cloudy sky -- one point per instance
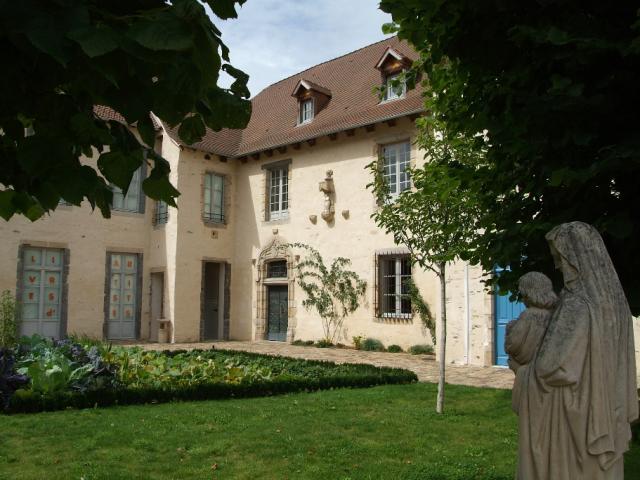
(273, 39)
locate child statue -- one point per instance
(524, 335)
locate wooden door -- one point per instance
(277, 313)
(123, 296)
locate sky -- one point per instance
(273, 39)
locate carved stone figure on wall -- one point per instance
(577, 395)
(327, 188)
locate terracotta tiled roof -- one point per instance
(351, 80)
(108, 113)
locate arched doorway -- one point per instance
(275, 308)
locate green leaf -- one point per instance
(225, 9)
(7, 209)
(147, 131)
(162, 33)
(95, 40)
(118, 167)
(157, 184)
(192, 129)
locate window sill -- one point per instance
(275, 281)
(214, 224)
(382, 102)
(277, 221)
(399, 318)
(127, 213)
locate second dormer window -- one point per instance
(306, 110)
(394, 89)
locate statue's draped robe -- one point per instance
(579, 393)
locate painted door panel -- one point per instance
(121, 323)
(42, 292)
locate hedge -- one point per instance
(363, 375)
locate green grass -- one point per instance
(388, 432)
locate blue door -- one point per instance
(505, 311)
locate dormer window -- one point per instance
(393, 88)
(306, 110)
(391, 65)
(312, 98)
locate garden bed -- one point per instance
(46, 375)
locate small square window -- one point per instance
(277, 269)
(306, 110)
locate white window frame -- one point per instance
(397, 278)
(278, 193)
(302, 117)
(211, 212)
(396, 160)
(135, 188)
(391, 93)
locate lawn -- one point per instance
(388, 432)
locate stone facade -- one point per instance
(335, 219)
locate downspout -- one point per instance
(467, 315)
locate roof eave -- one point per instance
(323, 134)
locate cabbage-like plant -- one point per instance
(10, 380)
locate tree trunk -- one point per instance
(443, 336)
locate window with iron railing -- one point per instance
(214, 210)
(161, 215)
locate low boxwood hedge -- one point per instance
(290, 375)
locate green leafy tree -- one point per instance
(333, 291)
(61, 58)
(435, 219)
(555, 85)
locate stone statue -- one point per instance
(327, 188)
(524, 335)
(577, 395)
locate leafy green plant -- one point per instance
(372, 345)
(146, 376)
(536, 175)
(394, 348)
(59, 366)
(421, 349)
(9, 319)
(421, 307)
(135, 57)
(357, 342)
(10, 379)
(299, 343)
(333, 291)
(323, 343)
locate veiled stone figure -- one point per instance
(579, 394)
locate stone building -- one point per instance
(218, 267)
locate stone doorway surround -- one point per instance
(276, 249)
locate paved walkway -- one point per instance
(423, 365)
